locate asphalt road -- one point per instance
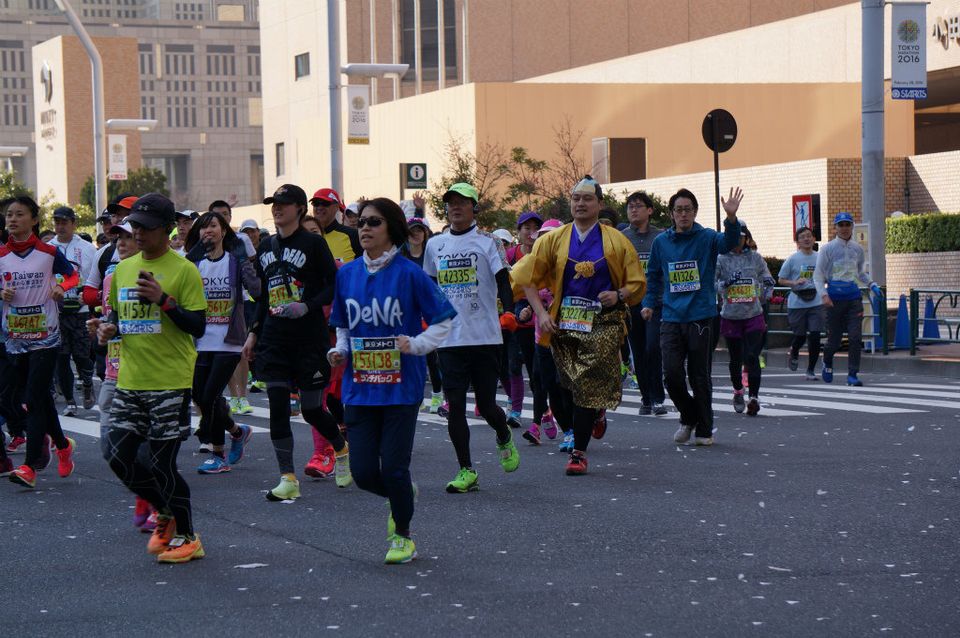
(830, 514)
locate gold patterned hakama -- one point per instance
(588, 362)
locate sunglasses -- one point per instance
(372, 222)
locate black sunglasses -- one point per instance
(372, 222)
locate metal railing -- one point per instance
(874, 310)
(940, 300)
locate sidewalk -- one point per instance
(934, 360)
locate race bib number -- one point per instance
(375, 360)
(806, 272)
(742, 290)
(113, 354)
(136, 317)
(844, 271)
(684, 276)
(27, 322)
(578, 313)
(281, 294)
(644, 258)
(457, 275)
(219, 306)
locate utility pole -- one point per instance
(872, 152)
(336, 126)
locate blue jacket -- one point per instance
(681, 270)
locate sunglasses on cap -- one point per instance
(372, 222)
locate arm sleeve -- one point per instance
(343, 341)
(820, 270)
(89, 261)
(730, 237)
(193, 322)
(338, 315)
(248, 275)
(862, 273)
(432, 303)
(768, 282)
(263, 301)
(654, 278)
(428, 340)
(90, 296)
(326, 265)
(503, 289)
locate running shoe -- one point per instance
(793, 361)
(532, 434)
(703, 440)
(436, 400)
(182, 549)
(88, 399)
(44, 454)
(294, 405)
(70, 409)
(753, 406)
(234, 404)
(549, 425)
(444, 410)
(645, 410)
(827, 374)
(513, 419)
(509, 456)
(465, 481)
(600, 425)
(659, 409)
(65, 463)
(141, 512)
(238, 444)
(162, 534)
(577, 465)
(6, 467)
(391, 524)
(566, 445)
(763, 361)
(632, 382)
(25, 476)
(682, 435)
(624, 371)
(402, 550)
(151, 524)
(258, 386)
(286, 490)
(738, 403)
(341, 469)
(322, 464)
(854, 381)
(243, 406)
(744, 378)
(213, 465)
(812, 376)
(16, 442)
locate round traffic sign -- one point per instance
(725, 133)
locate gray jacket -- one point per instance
(744, 283)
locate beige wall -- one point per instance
(65, 160)
(937, 271)
(934, 184)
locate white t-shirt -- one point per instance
(95, 278)
(220, 302)
(83, 256)
(466, 267)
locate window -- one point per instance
(281, 160)
(301, 65)
(175, 167)
(428, 38)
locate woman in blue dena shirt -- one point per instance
(380, 306)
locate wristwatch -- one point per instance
(620, 295)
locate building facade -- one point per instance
(199, 76)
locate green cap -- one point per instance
(465, 190)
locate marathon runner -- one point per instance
(804, 306)
(414, 250)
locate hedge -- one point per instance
(931, 233)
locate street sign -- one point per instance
(414, 175)
(719, 131)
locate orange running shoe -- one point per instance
(65, 459)
(182, 549)
(162, 534)
(25, 476)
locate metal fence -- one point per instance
(874, 315)
(943, 308)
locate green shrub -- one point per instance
(930, 233)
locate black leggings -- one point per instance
(746, 351)
(527, 343)
(321, 420)
(561, 399)
(210, 376)
(159, 483)
(813, 348)
(11, 408)
(34, 373)
(583, 421)
(433, 367)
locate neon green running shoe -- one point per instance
(436, 400)
(509, 457)
(287, 490)
(402, 550)
(234, 403)
(243, 406)
(341, 470)
(466, 481)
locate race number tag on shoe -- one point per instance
(578, 313)
(375, 359)
(27, 322)
(742, 290)
(684, 276)
(137, 317)
(457, 274)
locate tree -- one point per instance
(139, 182)
(10, 186)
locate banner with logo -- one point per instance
(117, 153)
(908, 52)
(358, 108)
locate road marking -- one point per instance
(835, 393)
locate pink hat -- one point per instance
(549, 225)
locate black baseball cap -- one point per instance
(288, 194)
(65, 212)
(153, 210)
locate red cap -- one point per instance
(327, 195)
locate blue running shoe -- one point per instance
(854, 381)
(237, 444)
(827, 375)
(567, 444)
(213, 465)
